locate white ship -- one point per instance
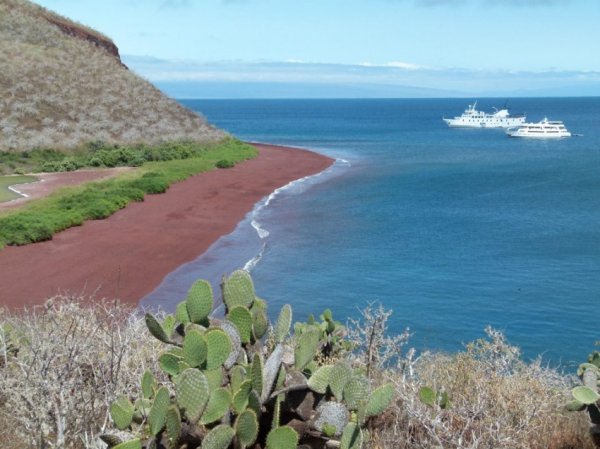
(546, 129)
(472, 118)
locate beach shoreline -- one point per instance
(128, 254)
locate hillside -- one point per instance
(63, 84)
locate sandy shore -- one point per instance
(127, 255)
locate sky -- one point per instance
(431, 48)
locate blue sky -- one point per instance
(358, 47)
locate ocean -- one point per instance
(453, 229)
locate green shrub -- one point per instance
(101, 199)
(224, 163)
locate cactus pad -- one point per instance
(319, 381)
(356, 392)
(270, 372)
(585, 395)
(148, 384)
(169, 363)
(219, 348)
(332, 413)
(352, 438)
(217, 406)
(254, 402)
(260, 323)
(339, 376)
(282, 326)
(181, 313)
(199, 302)
(282, 438)
(158, 412)
(379, 400)
(241, 317)
(256, 373)
(236, 343)
(121, 412)
(156, 329)
(214, 378)
(238, 375)
(195, 348)
(131, 444)
(218, 438)
(246, 428)
(173, 425)
(192, 393)
(238, 290)
(575, 406)
(306, 348)
(240, 398)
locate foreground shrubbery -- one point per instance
(71, 207)
(63, 365)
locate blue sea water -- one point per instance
(453, 229)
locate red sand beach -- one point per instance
(127, 255)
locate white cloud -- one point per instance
(392, 74)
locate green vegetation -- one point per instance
(236, 386)
(6, 181)
(99, 365)
(72, 206)
(44, 55)
(99, 154)
(587, 396)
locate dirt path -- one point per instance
(49, 182)
(128, 254)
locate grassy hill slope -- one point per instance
(62, 84)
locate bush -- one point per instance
(223, 163)
(77, 356)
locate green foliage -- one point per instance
(121, 412)
(219, 347)
(218, 438)
(173, 426)
(433, 398)
(379, 400)
(131, 444)
(352, 438)
(282, 438)
(238, 290)
(158, 412)
(246, 428)
(192, 393)
(220, 376)
(40, 220)
(199, 302)
(195, 348)
(306, 348)
(284, 321)
(217, 407)
(223, 163)
(242, 318)
(156, 329)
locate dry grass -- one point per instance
(59, 91)
(62, 364)
(60, 367)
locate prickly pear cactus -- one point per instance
(235, 384)
(587, 396)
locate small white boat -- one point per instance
(472, 118)
(546, 129)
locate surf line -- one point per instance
(262, 232)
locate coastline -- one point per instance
(127, 255)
